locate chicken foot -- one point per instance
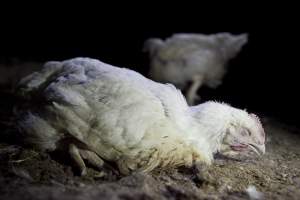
(79, 155)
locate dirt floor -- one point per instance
(27, 174)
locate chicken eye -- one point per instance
(246, 133)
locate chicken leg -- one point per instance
(191, 94)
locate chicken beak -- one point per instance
(258, 149)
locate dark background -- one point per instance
(263, 78)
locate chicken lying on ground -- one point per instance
(192, 58)
(104, 113)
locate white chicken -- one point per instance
(105, 113)
(192, 58)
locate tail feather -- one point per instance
(38, 80)
(38, 132)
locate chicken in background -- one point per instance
(192, 58)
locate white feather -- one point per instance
(253, 193)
